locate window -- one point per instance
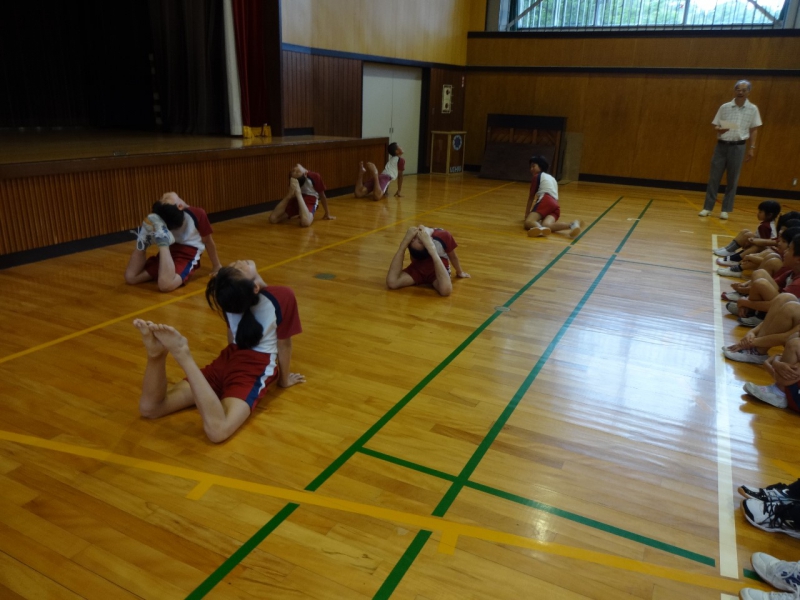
(651, 14)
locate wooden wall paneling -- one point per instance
(780, 53)
(477, 15)
(614, 52)
(719, 52)
(336, 102)
(410, 29)
(611, 123)
(777, 159)
(562, 96)
(661, 52)
(669, 123)
(52, 209)
(297, 90)
(683, 52)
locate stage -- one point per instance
(64, 191)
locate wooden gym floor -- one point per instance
(562, 426)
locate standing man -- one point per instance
(736, 124)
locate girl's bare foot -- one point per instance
(171, 339)
(155, 349)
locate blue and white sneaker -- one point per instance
(780, 574)
(160, 232)
(753, 594)
(144, 238)
(771, 394)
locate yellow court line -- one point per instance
(450, 530)
(141, 311)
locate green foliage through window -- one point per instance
(579, 14)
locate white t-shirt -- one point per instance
(393, 167)
(547, 185)
(744, 117)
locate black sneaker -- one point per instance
(777, 492)
(772, 516)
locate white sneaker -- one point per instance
(538, 231)
(723, 251)
(733, 308)
(779, 574)
(749, 355)
(731, 296)
(750, 321)
(704, 213)
(729, 272)
(723, 216)
(575, 228)
(143, 237)
(752, 594)
(770, 394)
(159, 231)
(727, 262)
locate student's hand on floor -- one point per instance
(328, 217)
(215, 270)
(398, 195)
(463, 275)
(292, 380)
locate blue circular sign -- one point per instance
(458, 141)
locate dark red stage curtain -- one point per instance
(248, 17)
(190, 72)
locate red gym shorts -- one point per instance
(243, 374)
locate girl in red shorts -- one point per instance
(261, 321)
(542, 211)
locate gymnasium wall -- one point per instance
(643, 105)
(423, 30)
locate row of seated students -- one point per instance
(768, 304)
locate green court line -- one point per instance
(226, 567)
(411, 553)
(751, 574)
(593, 223)
(570, 516)
(241, 553)
(407, 464)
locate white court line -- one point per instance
(728, 554)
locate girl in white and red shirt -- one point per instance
(261, 321)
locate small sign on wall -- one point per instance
(447, 98)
